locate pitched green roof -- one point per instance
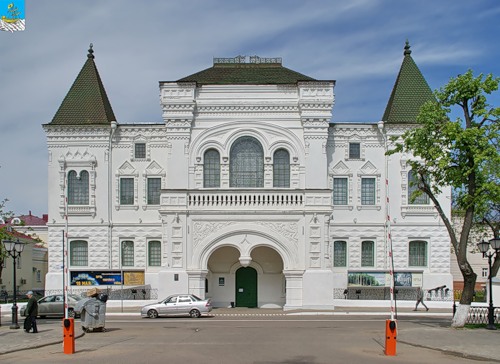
(86, 103)
(260, 71)
(410, 92)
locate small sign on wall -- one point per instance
(222, 281)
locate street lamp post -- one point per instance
(483, 247)
(14, 249)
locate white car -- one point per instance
(53, 306)
(178, 305)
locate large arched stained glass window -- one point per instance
(211, 168)
(281, 168)
(78, 188)
(246, 166)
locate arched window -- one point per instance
(211, 168)
(281, 168)
(422, 198)
(154, 253)
(417, 254)
(78, 188)
(246, 166)
(78, 253)
(127, 253)
(367, 253)
(339, 253)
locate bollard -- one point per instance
(390, 337)
(69, 335)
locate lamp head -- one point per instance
(483, 246)
(495, 243)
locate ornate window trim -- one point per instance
(140, 139)
(368, 170)
(408, 209)
(355, 139)
(153, 170)
(77, 161)
(126, 171)
(340, 170)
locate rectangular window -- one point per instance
(154, 254)
(367, 191)
(78, 253)
(126, 191)
(354, 151)
(39, 275)
(340, 191)
(339, 253)
(127, 253)
(485, 273)
(367, 254)
(154, 187)
(417, 254)
(140, 150)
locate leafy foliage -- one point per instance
(461, 153)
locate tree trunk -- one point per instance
(462, 312)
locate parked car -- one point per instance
(53, 306)
(178, 305)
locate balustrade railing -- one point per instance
(245, 199)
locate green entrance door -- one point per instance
(246, 287)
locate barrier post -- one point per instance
(69, 335)
(390, 337)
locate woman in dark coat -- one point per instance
(31, 313)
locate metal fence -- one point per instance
(384, 293)
(479, 315)
(132, 293)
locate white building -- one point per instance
(246, 193)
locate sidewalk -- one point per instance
(479, 344)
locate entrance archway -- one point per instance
(246, 287)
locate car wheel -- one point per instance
(194, 313)
(71, 313)
(152, 314)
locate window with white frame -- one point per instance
(417, 253)
(154, 188)
(246, 164)
(154, 253)
(38, 275)
(78, 253)
(367, 253)
(368, 191)
(281, 168)
(418, 199)
(126, 191)
(78, 188)
(339, 253)
(354, 150)
(340, 191)
(127, 253)
(211, 169)
(140, 150)
(484, 273)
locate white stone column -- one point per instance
(196, 282)
(293, 289)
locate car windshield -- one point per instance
(196, 298)
(75, 297)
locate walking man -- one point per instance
(420, 299)
(31, 312)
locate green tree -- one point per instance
(461, 153)
(5, 215)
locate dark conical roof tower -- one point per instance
(409, 93)
(86, 103)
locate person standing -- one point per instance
(31, 312)
(420, 299)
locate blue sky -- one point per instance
(358, 43)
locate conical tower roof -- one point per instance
(86, 103)
(409, 93)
